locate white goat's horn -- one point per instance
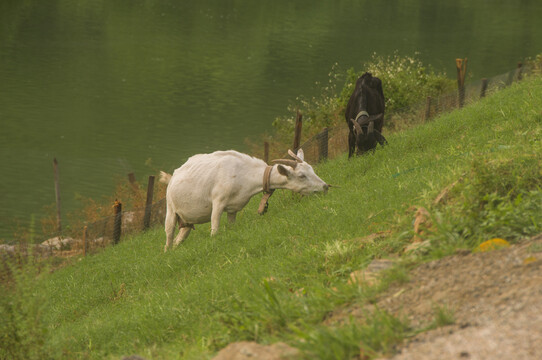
(297, 158)
(287, 162)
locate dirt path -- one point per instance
(494, 298)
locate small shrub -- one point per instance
(405, 80)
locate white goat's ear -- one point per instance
(301, 154)
(293, 155)
(283, 170)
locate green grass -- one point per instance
(276, 277)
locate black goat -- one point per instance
(365, 115)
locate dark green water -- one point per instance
(112, 87)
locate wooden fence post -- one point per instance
(57, 195)
(485, 83)
(148, 204)
(297, 134)
(117, 225)
(323, 144)
(266, 152)
(427, 108)
(85, 246)
(519, 70)
(461, 65)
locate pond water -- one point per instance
(112, 87)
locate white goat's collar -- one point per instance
(267, 191)
(267, 179)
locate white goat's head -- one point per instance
(300, 175)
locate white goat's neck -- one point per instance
(276, 181)
(255, 178)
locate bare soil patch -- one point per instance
(494, 299)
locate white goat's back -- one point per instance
(204, 179)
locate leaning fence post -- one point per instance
(485, 83)
(323, 144)
(57, 195)
(148, 204)
(427, 108)
(297, 133)
(266, 152)
(118, 222)
(461, 65)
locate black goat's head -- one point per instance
(364, 131)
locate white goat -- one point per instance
(224, 181)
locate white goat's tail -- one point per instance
(165, 177)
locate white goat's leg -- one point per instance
(182, 235)
(218, 209)
(170, 223)
(231, 217)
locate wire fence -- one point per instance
(332, 142)
(92, 237)
(328, 144)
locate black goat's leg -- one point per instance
(380, 138)
(351, 143)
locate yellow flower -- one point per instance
(493, 244)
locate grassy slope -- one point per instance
(241, 284)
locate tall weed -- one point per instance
(23, 333)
